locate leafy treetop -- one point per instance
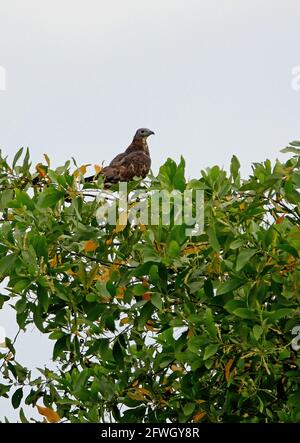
(149, 324)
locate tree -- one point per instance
(148, 323)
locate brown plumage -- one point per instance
(134, 162)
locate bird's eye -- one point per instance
(142, 132)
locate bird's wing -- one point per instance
(135, 164)
(117, 159)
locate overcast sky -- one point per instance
(212, 78)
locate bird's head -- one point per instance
(143, 133)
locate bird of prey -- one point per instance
(134, 162)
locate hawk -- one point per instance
(134, 162)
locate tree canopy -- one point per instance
(150, 324)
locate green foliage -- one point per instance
(111, 298)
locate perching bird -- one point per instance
(134, 162)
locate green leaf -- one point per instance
(156, 300)
(7, 263)
(17, 397)
(4, 389)
(290, 149)
(23, 199)
(244, 257)
(21, 284)
(289, 249)
(154, 275)
(60, 346)
(118, 353)
(245, 313)
(6, 197)
(16, 157)
(49, 197)
(257, 331)
(26, 164)
(295, 143)
(81, 380)
(173, 249)
(188, 409)
(229, 286)
(210, 350)
(179, 179)
(55, 335)
(236, 243)
(213, 240)
(279, 313)
(232, 305)
(145, 314)
(40, 246)
(208, 288)
(106, 388)
(20, 306)
(22, 416)
(234, 167)
(138, 289)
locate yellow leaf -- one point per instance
(118, 263)
(41, 169)
(135, 395)
(175, 368)
(90, 246)
(190, 333)
(80, 171)
(280, 219)
(120, 292)
(9, 357)
(53, 262)
(142, 227)
(119, 227)
(98, 169)
(149, 325)
(191, 250)
(162, 402)
(139, 394)
(105, 274)
(51, 415)
(72, 193)
(242, 206)
(145, 283)
(93, 274)
(47, 160)
(109, 241)
(70, 272)
(147, 296)
(197, 417)
(227, 369)
(144, 392)
(135, 383)
(124, 321)
(105, 299)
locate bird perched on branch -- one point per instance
(134, 162)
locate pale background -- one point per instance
(212, 78)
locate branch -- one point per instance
(13, 342)
(99, 260)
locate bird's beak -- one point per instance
(151, 133)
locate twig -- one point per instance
(99, 260)
(13, 342)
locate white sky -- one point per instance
(212, 78)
